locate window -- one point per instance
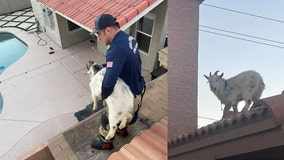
(72, 26)
(144, 31)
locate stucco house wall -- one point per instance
(69, 38)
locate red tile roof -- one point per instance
(271, 108)
(151, 144)
(84, 12)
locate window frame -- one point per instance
(150, 16)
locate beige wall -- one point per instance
(183, 19)
(70, 38)
(7, 6)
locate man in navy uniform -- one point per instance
(123, 61)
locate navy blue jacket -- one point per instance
(123, 60)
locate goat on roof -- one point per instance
(247, 86)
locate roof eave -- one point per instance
(140, 15)
(124, 27)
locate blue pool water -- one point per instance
(11, 49)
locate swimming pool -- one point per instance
(11, 50)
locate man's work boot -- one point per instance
(102, 144)
(123, 132)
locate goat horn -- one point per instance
(216, 73)
(208, 77)
(221, 75)
(209, 74)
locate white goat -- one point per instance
(247, 86)
(120, 102)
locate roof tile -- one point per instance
(135, 3)
(72, 12)
(148, 149)
(141, 6)
(130, 13)
(54, 4)
(80, 16)
(151, 144)
(93, 1)
(97, 12)
(151, 1)
(89, 21)
(120, 155)
(102, 3)
(86, 8)
(79, 4)
(71, 2)
(90, 24)
(62, 8)
(120, 9)
(155, 142)
(109, 5)
(131, 152)
(276, 104)
(121, 20)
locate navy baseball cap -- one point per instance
(103, 21)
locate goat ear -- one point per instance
(206, 77)
(91, 62)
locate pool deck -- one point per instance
(42, 91)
